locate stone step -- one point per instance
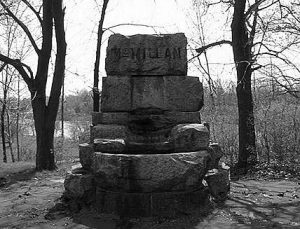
(165, 93)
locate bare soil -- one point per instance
(30, 199)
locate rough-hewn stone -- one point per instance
(164, 54)
(156, 94)
(157, 120)
(218, 181)
(189, 137)
(158, 136)
(162, 204)
(77, 185)
(150, 173)
(216, 153)
(86, 152)
(119, 118)
(109, 145)
(116, 94)
(158, 147)
(108, 131)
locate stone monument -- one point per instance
(148, 152)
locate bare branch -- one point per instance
(130, 24)
(253, 7)
(2, 67)
(205, 47)
(19, 66)
(23, 26)
(34, 11)
(284, 81)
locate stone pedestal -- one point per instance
(163, 204)
(148, 152)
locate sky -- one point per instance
(166, 16)
(158, 16)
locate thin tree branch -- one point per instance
(34, 11)
(253, 7)
(2, 67)
(19, 66)
(205, 47)
(130, 24)
(22, 25)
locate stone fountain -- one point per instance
(149, 153)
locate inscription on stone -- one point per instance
(143, 55)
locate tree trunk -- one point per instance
(3, 132)
(62, 113)
(45, 114)
(9, 137)
(96, 92)
(44, 141)
(241, 44)
(18, 119)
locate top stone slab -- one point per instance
(146, 55)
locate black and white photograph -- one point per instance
(149, 114)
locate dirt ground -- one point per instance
(30, 199)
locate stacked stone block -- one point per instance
(148, 152)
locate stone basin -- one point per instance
(150, 172)
(121, 139)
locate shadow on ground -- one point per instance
(14, 172)
(251, 204)
(32, 200)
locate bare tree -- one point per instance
(44, 112)
(281, 48)
(8, 73)
(252, 40)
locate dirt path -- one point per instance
(31, 200)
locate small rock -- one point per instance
(189, 137)
(76, 185)
(219, 184)
(86, 153)
(216, 153)
(3, 181)
(280, 194)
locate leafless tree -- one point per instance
(49, 14)
(253, 42)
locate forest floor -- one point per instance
(30, 199)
